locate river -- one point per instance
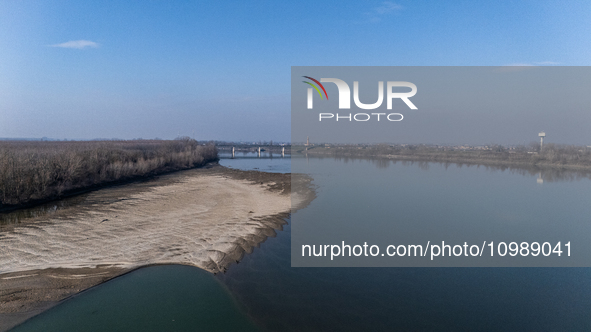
(264, 290)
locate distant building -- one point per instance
(542, 135)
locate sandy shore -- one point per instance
(203, 217)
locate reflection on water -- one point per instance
(283, 298)
(543, 174)
(386, 201)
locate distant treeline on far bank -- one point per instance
(35, 170)
(551, 155)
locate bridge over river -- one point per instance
(282, 149)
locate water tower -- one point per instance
(542, 135)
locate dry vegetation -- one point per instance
(32, 171)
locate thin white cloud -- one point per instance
(78, 44)
(385, 8)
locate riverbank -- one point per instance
(564, 159)
(489, 162)
(208, 218)
(35, 172)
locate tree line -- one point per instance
(35, 170)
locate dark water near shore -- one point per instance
(278, 297)
(156, 298)
(267, 162)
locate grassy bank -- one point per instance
(37, 171)
(553, 155)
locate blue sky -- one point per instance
(221, 69)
